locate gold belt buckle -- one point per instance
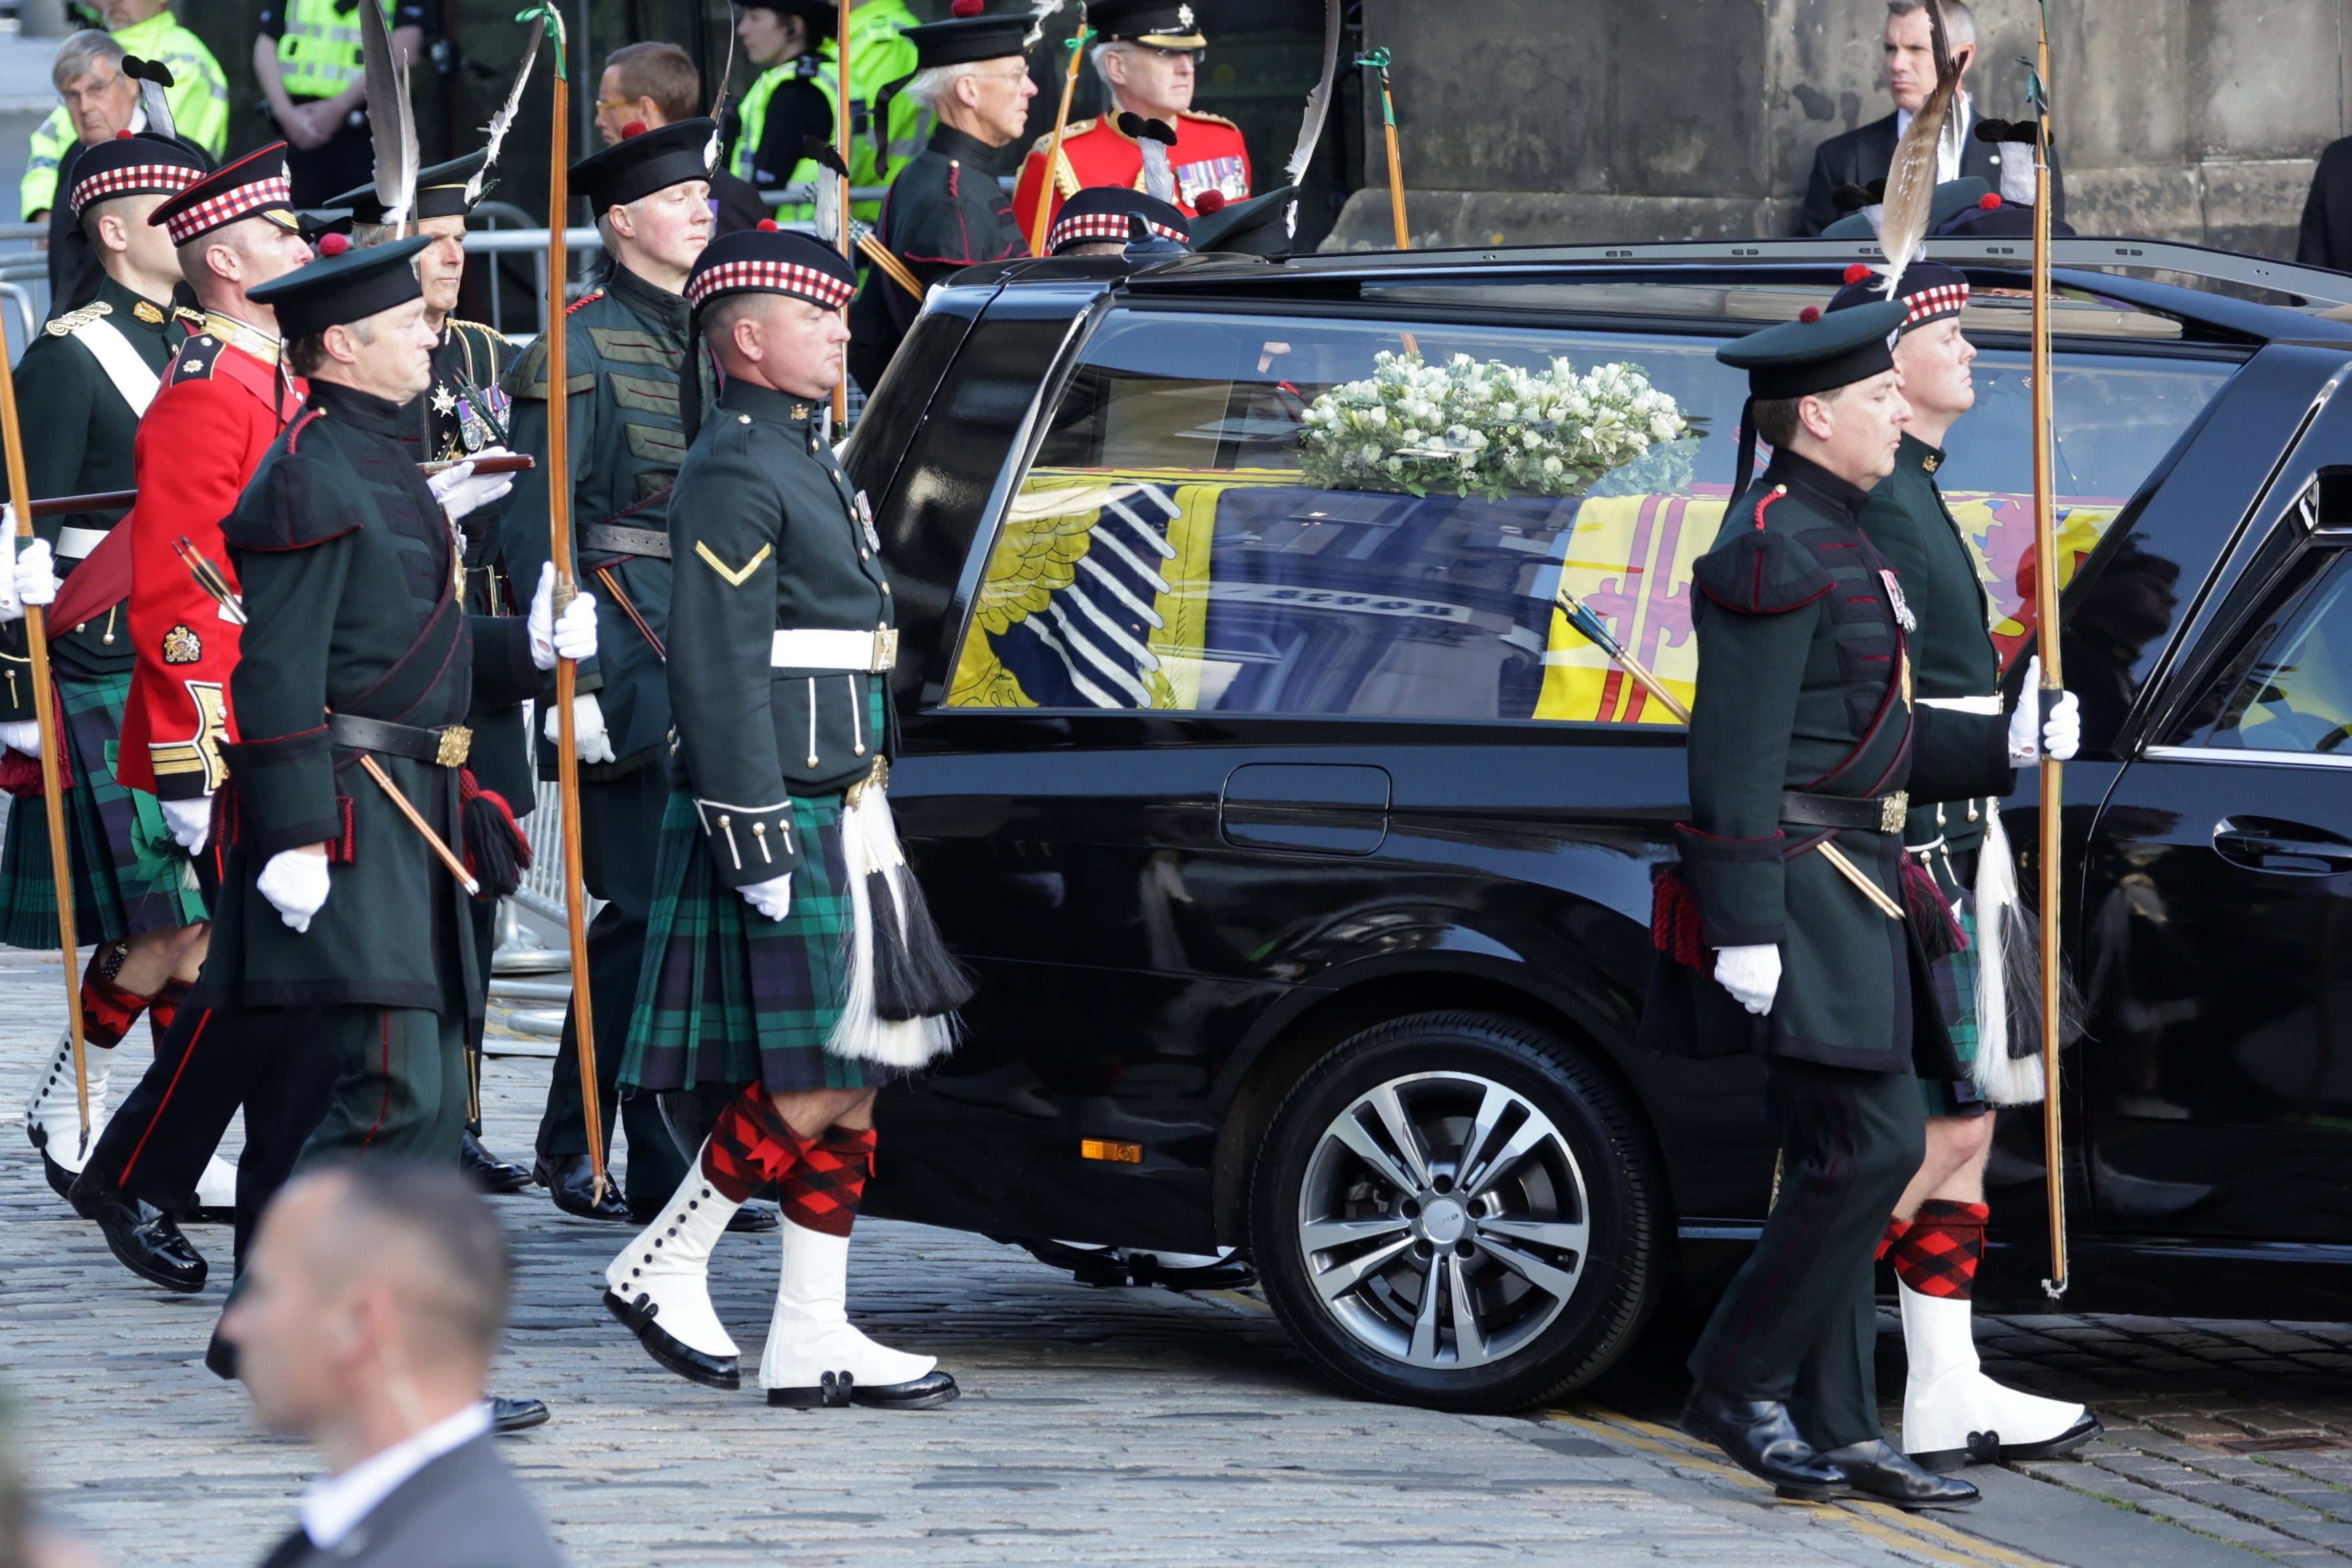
(1892, 810)
(886, 651)
(456, 745)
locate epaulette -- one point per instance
(808, 66)
(1074, 128)
(584, 300)
(1212, 119)
(486, 329)
(193, 320)
(198, 358)
(75, 321)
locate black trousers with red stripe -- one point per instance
(399, 1084)
(1799, 1323)
(211, 1064)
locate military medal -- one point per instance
(445, 402)
(1894, 593)
(864, 510)
(472, 429)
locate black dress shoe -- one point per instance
(1877, 1470)
(486, 1171)
(220, 1357)
(142, 1240)
(1763, 1441)
(517, 1415)
(751, 1219)
(571, 1183)
(694, 1365)
(933, 1388)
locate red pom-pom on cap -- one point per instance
(124, 134)
(632, 128)
(1210, 202)
(334, 244)
(1989, 202)
(1857, 273)
(1809, 314)
(969, 7)
(767, 226)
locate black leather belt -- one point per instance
(1884, 815)
(444, 748)
(618, 539)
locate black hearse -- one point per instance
(1303, 851)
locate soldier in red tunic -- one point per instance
(1148, 61)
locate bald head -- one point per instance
(381, 1283)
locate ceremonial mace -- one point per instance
(36, 641)
(1379, 60)
(558, 540)
(2046, 601)
(1061, 123)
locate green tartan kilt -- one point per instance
(129, 874)
(1955, 993)
(729, 997)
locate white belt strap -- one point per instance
(1990, 706)
(869, 652)
(74, 544)
(112, 351)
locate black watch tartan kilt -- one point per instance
(728, 997)
(129, 874)
(1956, 992)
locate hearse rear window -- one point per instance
(1245, 513)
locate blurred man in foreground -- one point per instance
(371, 1308)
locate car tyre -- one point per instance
(1531, 1205)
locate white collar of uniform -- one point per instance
(333, 1506)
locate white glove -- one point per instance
(191, 820)
(32, 576)
(295, 883)
(589, 739)
(2062, 732)
(22, 735)
(1752, 974)
(571, 635)
(773, 898)
(460, 491)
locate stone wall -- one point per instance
(1589, 119)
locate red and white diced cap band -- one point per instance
(139, 179)
(817, 287)
(1079, 226)
(236, 202)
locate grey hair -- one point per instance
(367, 235)
(1959, 22)
(79, 53)
(935, 83)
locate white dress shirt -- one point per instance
(333, 1506)
(1947, 154)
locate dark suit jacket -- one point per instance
(1867, 151)
(2327, 239)
(465, 1510)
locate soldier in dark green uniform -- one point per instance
(83, 384)
(463, 413)
(357, 651)
(1792, 926)
(945, 211)
(790, 955)
(1952, 1412)
(626, 346)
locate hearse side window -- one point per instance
(2288, 689)
(1246, 513)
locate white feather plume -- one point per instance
(497, 130)
(390, 120)
(1038, 11)
(1319, 102)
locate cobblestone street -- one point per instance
(1121, 1426)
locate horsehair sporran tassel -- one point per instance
(869, 843)
(2005, 1080)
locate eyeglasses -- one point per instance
(1166, 53)
(1020, 75)
(605, 103)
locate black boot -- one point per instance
(515, 1414)
(486, 1171)
(1877, 1470)
(143, 1240)
(571, 1181)
(1763, 1441)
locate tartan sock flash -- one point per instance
(165, 1006)
(823, 1190)
(107, 1010)
(751, 1146)
(1938, 1255)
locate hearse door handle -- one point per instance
(2263, 844)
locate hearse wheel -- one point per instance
(1456, 1210)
